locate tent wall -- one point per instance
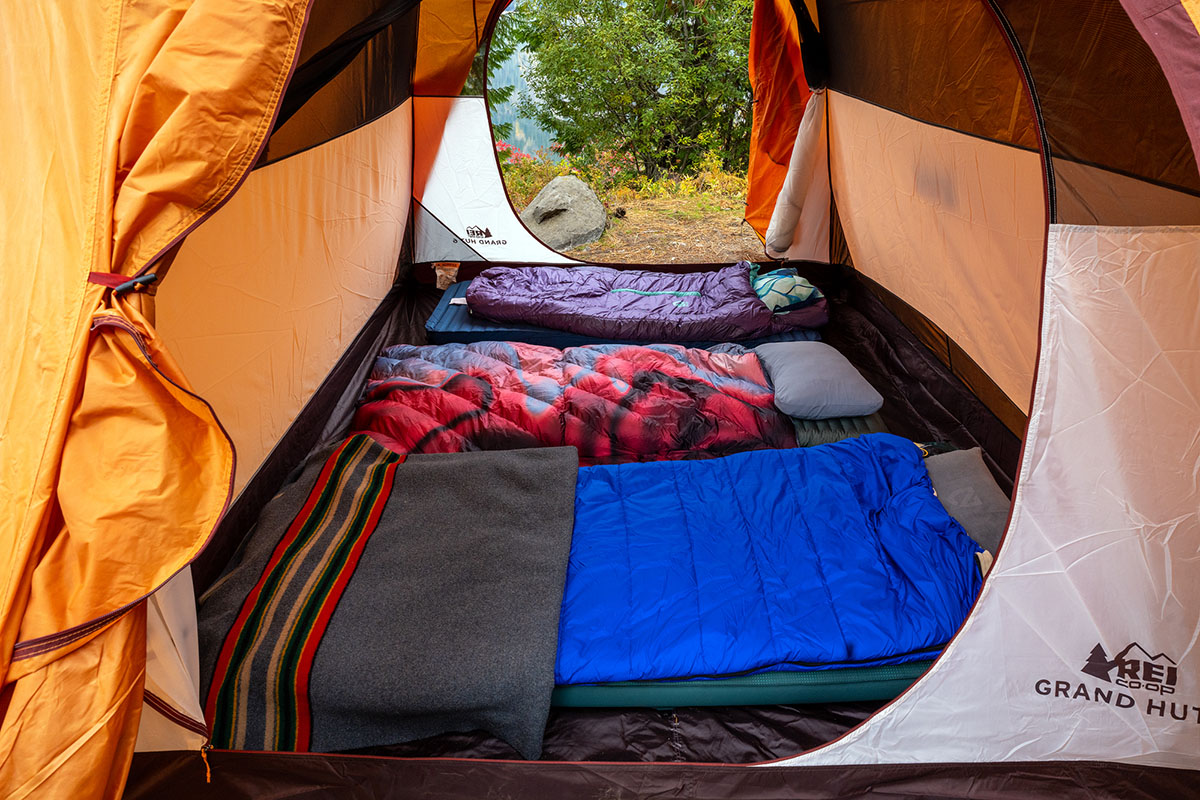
(1099, 560)
(947, 64)
(1172, 30)
(295, 263)
(1106, 104)
(1090, 195)
(328, 96)
(937, 179)
(451, 32)
(951, 223)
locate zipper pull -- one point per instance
(204, 748)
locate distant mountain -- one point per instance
(527, 136)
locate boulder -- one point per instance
(565, 214)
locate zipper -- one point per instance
(44, 644)
(115, 321)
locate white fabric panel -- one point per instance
(1090, 195)
(457, 179)
(267, 294)
(172, 667)
(799, 227)
(1102, 555)
(952, 224)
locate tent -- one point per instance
(1012, 183)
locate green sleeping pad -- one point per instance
(811, 432)
(760, 689)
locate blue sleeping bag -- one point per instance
(812, 558)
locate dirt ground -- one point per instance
(699, 229)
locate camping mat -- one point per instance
(380, 600)
(452, 322)
(812, 432)
(759, 689)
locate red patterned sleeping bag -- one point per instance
(614, 403)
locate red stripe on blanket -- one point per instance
(330, 604)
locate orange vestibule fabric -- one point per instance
(780, 95)
(126, 122)
(448, 36)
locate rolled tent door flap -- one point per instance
(115, 473)
(799, 226)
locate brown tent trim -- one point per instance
(1031, 95)
(265, 776)
(388, 82)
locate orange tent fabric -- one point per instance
(128, 122)
(780, 96)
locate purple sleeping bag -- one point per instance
(634, 305)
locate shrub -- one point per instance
(614, 177)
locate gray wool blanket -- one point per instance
(381, 599)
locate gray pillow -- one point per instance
(814, 381)
(966, 488)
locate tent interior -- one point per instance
(999, 202)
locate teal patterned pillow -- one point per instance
(783, 289)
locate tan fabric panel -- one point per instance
(1090, 195)
(266, 295)
(952, 224)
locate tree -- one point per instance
(662, 80)
(503, 44)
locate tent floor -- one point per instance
(729, 735)
(181, 776)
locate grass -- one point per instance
(679, 218)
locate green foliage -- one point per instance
(609, 175)
(525, 177)
(505, 41)
(661, 83)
